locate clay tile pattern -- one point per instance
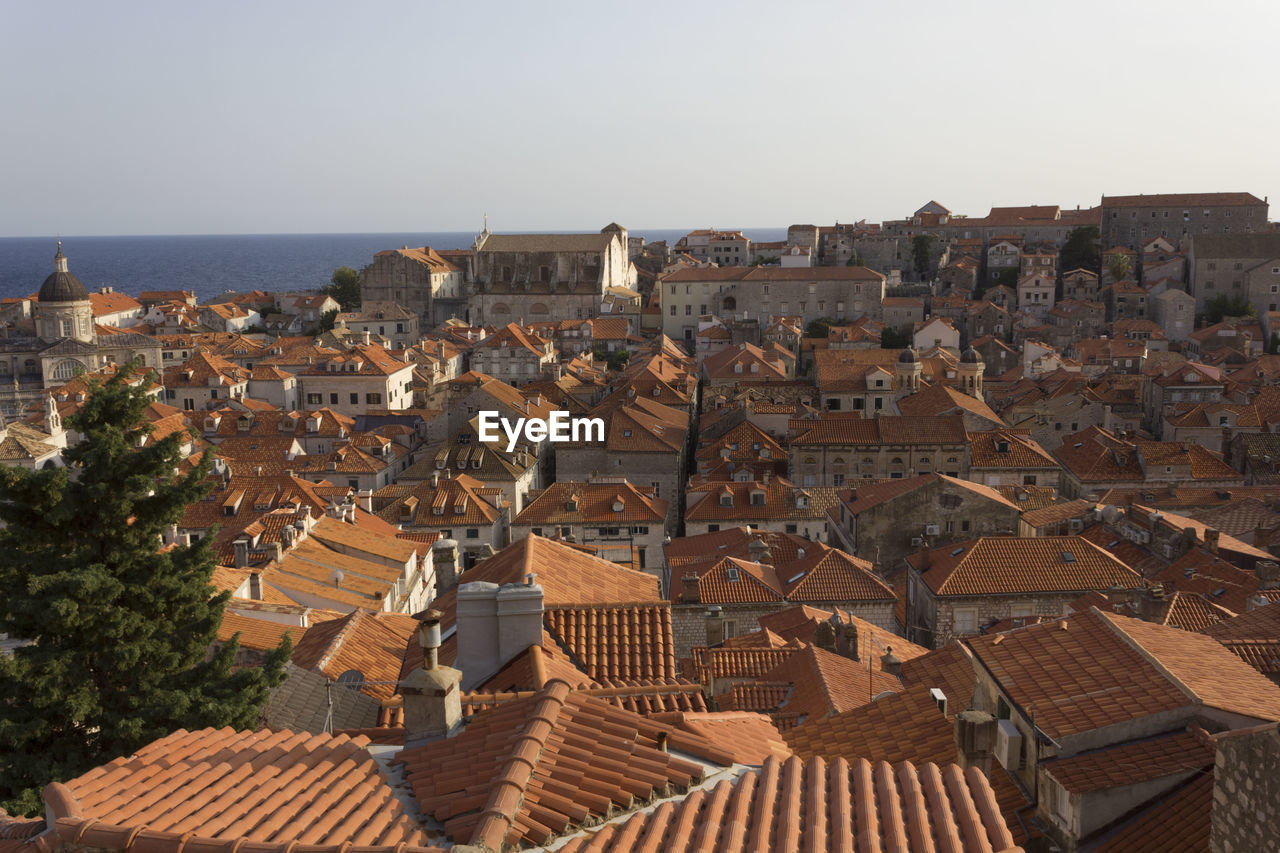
(1131, 763)
(624, 642)
(241, 787)
(1038, 667)
(372, 644)
(824, 683)
(999, 565)
(530, 769)
(751, 738)
(744, 663)
(818, 805)
(1179, 821)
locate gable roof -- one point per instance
(1006, 565)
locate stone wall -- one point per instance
(1246, 792)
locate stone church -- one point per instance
(61, 340)
(526, 278)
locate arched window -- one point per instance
(67, 369)
(730, 303)
(539, 308)
(500, 308)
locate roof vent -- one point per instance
(1068, 557)
(957, 552)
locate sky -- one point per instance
(323, 117)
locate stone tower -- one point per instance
(969, 371)
(63, 309)
(907, 372)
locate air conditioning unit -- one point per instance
(1008, 745)
(931, 530)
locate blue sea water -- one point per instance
(213, 264)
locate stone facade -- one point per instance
(1246, 792)
(420, 279)
(526, 278)
(1138, 219)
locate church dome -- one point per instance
(971, 356)
(62, 286)
(907, 356)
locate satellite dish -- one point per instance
(352, 678)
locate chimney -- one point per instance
(759, 551)
(1263, 537)
(477, 632)
(519, 618)
(975, 733)
(255, 586)
(1268, 574)
(1151, 603)
(241, 547)
(432, 693)
(825, 637)
(444, 555)
(715, 625)
(1211, 539)
(365, 499)
(689, 589)
(847, 644)
(889, 663)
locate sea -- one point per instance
(214, 264)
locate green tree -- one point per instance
(1118, 266)
(766, 260)
(119, 629)
(344, 286)
(1007, 277)
(619, 359)
(1082, 251)
(327, 321)
(921, 249)
(819, 327)
(1226, 305)
(855, 260)
(891, 338)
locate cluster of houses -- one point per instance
(972, 554)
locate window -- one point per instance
(964, 620)
(791, 528)
(371, 399)
(713, 528)
(333, 398)
(688, 310)
(473, 533)
(964, 526)
(315, 399)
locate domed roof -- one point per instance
(907, 356)
(62, 286)
(971, 356)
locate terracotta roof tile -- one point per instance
(999, 565)
(371, 644)
(266, 787)
(530, 769)
(820, 805)
(1178, 822)
(616, 642)
(1131, 763)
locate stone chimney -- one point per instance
(759, 552)
(825, 637)
(1268, 574)
(847, 642)
(889, 663)
(1151, 603)
(255, 586)
(494, 625)
(975, 733)
(715, 626)
(241, 548)
(1211, 539)
(689, 589)
(365, 500)
(432, 693)
(444, 556)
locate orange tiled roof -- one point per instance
(616, 642)
(263, 787)
(260, 634)
(1132, 763)
(528, 770)
(371, 644)
(752, 738)
(1005, 565)
(593, 503)
(824, 683)
(1178, 821)
(820, 805)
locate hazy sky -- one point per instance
(231, 117)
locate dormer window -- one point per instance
(726, 499)
(732, 574)
(757, 498)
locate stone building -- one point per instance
(1133, 220)
(1244, 266)
(526, 278)
(828, 449)
(957, 590)
(421, 280)
(513, 355)
(805, 294)
(884, 523)
(63, 343)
